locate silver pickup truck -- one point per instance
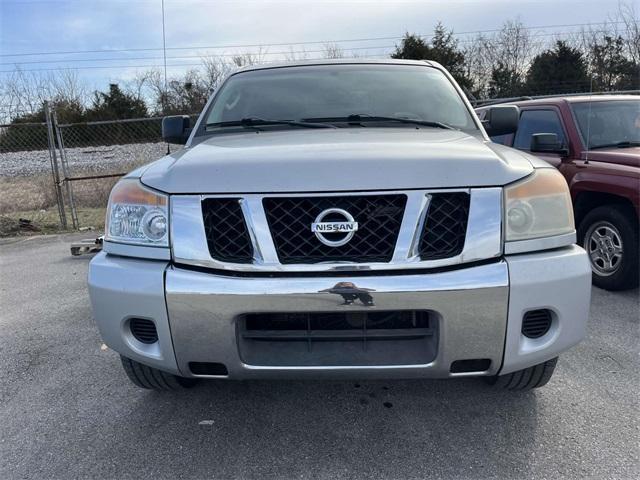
(341, 219)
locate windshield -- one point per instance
(608, 124)
(332, 93)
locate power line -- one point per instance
(230, 55)
(314, 42)
(157, 65)
(284, 52)
(203, 47)
(178, 57)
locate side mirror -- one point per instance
(547, 143)
(501, 120)
(176, 129)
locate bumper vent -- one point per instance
(353, 338)
(468, 366)
(226, 230)
(445, 228)
(143, 330)
(208, 368)
(536, 323)
(379, 218)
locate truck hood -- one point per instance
(336, 160)
(620, 156)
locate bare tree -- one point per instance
(478, 64)
(296, 55)
(184, 94)
(65, 85)
(630, 20)
(23, 93)
(249, 58)
(505, 55)
(612, 51)
(138, 86)
(332, 50)
(513, 47)
(157, 89)
(215, 70)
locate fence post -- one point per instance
(54, 165)
(65, 171)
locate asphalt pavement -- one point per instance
(68, 411)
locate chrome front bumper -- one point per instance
(479, 310)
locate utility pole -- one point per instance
(164, 54)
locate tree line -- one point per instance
(512, 61)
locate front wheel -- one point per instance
(151, 378)
(527, 379)
(609, 234)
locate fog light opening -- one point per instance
(143, 330)
(536, 323)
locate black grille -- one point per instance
(445, 227)
(143, 330)
(226, 230)
(337, 326)
(338, 338)
(379, 218)
(536, 323)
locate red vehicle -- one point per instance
(594, 140)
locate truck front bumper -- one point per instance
(479, 311)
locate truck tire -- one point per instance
(151, 378)
(532, 377)
(609, 234)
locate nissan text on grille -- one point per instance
(341, 219)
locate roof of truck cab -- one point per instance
(562, 99)
(336, 61)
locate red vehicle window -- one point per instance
(537, 121)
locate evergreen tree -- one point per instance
(504, 82)
(610, 67)
(116, 105)
(561, 69)
(443, 49)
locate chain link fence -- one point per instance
(110, 147)
(26, 177)
(95, 154)
(61, 174)
(18, 137)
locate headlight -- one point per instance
(137, 215)
(538, 206)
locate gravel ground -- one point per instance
(67, 410)
(86, 159)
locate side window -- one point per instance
(537, 121)
(501, 139)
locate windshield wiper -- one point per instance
(253, 122)
(623, 144)
(358, 118)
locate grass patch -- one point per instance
(26, 193)
(34, 198)
(47, 221)
(37, 192)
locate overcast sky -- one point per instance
(44, 26)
